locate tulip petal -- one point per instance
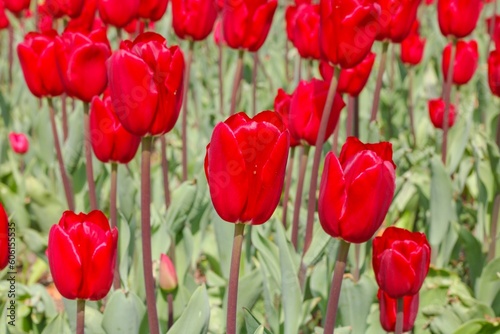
(101, 133)
(261, 24)
(102, 266)
(395, 276)
(29, 65)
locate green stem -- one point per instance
(378, 86)
(237, 81)
(114, 220)
(221, 80)
(164, 167)
(304, 155)
(494, 228)
(185, 111)
(254, 82)
(288, 182)
(410, 106)
(232, 297)
(88, 158)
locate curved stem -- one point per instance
(232, 297)
(288, 182)
(68, 189)
(447, 99)
(338, 275)
(378, 86)
(114, 220)
(146, 235)
(164, 167)
(237, 81)
(399, 316)
(80, 316)
(185, 111)
(88, 159)
(254, 82)
(221, 80)
(304, 154)
(410, 106)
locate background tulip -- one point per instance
(412, 47)
(16, 6)
(458, 17)
(82, 253)
(356, 190)
(495, 33)
(4, 238)
(84, 23)
(245, 166)
(436, 113)
(60, 8)
(396, 19)
(494, 72)
(303, 29)
(147, 97)
(168, 274)
(465, 64)
(282, 107)
(4, 20)
(152, 10)
(118, 13)
(401, 261)
(19, 142)
(388, 310)
(193, 19)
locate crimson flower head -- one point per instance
(118, 13)
(396, 19)
(4, 20)
(245, 166)
(494, 72)
(466, 60)
(152, 10)
(436, 113)
(302, 24)
(401, 261)
(4, 238)
(356, 190)
(458, 17)
(412, 47)
(19, 142)
(282, 107)
(84, 23)
(146, 84)
(388, 311)
(193, 19)
(246, 23)
(60, 8)
(495, 33)
(17, 6)
(82, 254)
(347, 30)
(306, 109)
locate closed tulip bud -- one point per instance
(353, 80)
(4, 238)
(494, 22)
(436, 113)
(118, 13)
(401, 261)
(282, 107)
(218, 35)
(388, 311)
(45, 22)
(147, 96)
(396, 19)
(37, 56)
(85, 22)
(60, 8)
(457, 17)
(110, 141)
(168, 275)
(306, 110)
(290, 16)
(4, 20)
(494, 72)
(82, 253)
(82, 63)
(193, 19)
(19, 142)
(17, 6)
(347, 30)
(246, 23)
(466, 60)
(303, 29)
(152, 10)
(412, 49)
(356, 190)
(245, 166)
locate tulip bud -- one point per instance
(494, 72)
(436, 113)
(465, 65)
(282, 107)
(302, 23)
(458, 17)
(84, 23)
(152, 10)
(4, 20)
(396, 19)
(193, 19)
(118, 13)
(218, 34)
(412, 47)
(17, 6)
(19, 142)
(495, 33)
(82, 254)
(356, 190)
(60, 8)
(4, 238)
(400, 261)
(388, 311)
(168, 274)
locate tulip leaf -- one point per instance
(58, 324)
(252, 324)
(73, 147)
(478, 326)
(473, 253)
(195, 318)
(459, 137)
(488, 285)
(123, 314)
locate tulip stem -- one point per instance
(11, 53)
(288, 182)
(304, 155)
(350, 115)
(287, 61)
(164, 167)
(68, 189)
(447, 99)
(146, 235)
(237, 81)
(80, 316)
(64, 116)
(170, 301)
(378, 86)
(221, 80)
(411, 112)
(335, 140)
(494, 228)
(399, 316)
(338, 275)
(254, 82)
(491, 28)
(114, 220)
(88, 158)
(232, 297)
(357, 266)
(185, 111)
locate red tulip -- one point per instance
(85, 22)
(110, 141)
(282, 107)
(388, 311)
(429, 2)
(306, 110)
(218, 35)
(303, 29)
(436, 112)
(496, 29)
(45, 22)
(465, 65)
(494, 72)
(245, 166)
(412, 48)
(4, 20)
(168, 275)
(146, 84)
(82, 254)
(19, 142)
(82, 63)
(118, 13)
(60, 8)
(193, 19)
(396, 19)
(290, 14)
(356, 190)
(401, 261)
(152, 10)
(17, 6)
(458, 17)
(246, 23)
(4, 238)
(38, 61)
(347, 30)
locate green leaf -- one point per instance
(252, 324)
(441, 202)
(488, 285)
(123, 314)
(478, 326)
(196, 316)
(57, 325)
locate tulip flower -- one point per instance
(82, 63)
(218, 34)
(356, 190)
(148, 96)
(246, 23)
(457, 17)
(45, 22)
(465, 64)
(4, 20)
(412, 49)
(306, 109)
(16, 6)
(118, 13)
(4, 238)
(494, 72)
(82, 252)
(388, 310)
(436, 113)
(110, 141)
(60, 8)
(152, 10)
(282, 107)
(37, 56)
(193, 19)
(290, 16)
(495, 33)
(396, 19)
(303, 29)
(347, 30)
(401, 261)
(84, 23)
(168, 275)
(19, 142)
(245, 166)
